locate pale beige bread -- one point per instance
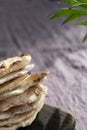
(13, 64)
(15, 74)
(19, 85)
(20, 117)
(29, 96)
(25, 122)
(21, 124)
(21, 94)
(10, 85)
(21, 109)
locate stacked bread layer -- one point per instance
(21, 94)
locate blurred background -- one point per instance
(25, 27)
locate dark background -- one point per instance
(25, 28)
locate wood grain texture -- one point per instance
(25, 28)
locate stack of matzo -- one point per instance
(21, 94)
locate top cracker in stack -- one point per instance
(21, 94)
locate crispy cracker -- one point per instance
(22, 119)
(20, 109)
(15, 74)
(13, 64)
(14, 88)
(29, 96)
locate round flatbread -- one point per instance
(15, 74)
(21, 84)
(29, 96)
(13, 64)
(21, 120)
(20, 109)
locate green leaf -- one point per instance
(78, 9)
(64, 12)
(73, 16)
(84, 23)
(85, 38)
(83, 1)
(79, 4)
(71, 2)
(82, 6)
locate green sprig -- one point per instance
(76, 9)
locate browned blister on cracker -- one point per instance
(13, 64)
(13, 75)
